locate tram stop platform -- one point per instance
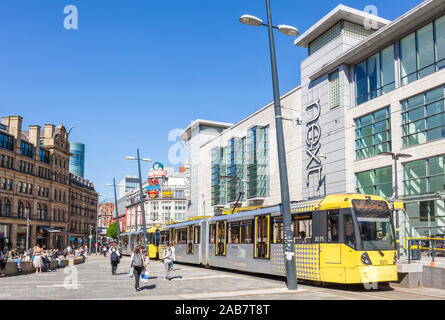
(421, 273)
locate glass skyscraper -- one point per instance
(77, 160)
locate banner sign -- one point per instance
(167, 194)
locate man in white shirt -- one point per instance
(172, 248)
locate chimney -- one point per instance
(14, 124)
(49, 132)
(34, 138)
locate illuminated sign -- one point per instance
(157, 170)
(167, 194)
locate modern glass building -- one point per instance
(378, 86)
(77, 159)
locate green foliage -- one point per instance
(112, 231)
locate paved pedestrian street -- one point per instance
(95, 281)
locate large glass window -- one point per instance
(219, 168)
(423, 118)
(234, 232)
(235, 169)
(377, 182)
(375, 76)
(424, 176)
(423, 51)
(373, 134)
(258, 162)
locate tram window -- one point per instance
(278, 230)
(302, 227)
(164, 237)
(246, 231)
(212, 233)
(333, 226)
(197, 239)
(234, 232)
(349, 230)
(181, 236)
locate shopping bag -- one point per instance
(144, 276)
(131, 272)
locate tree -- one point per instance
(112, 231)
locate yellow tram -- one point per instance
(130, 239)
(340, 238)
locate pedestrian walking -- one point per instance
(37, 262)
(137, 263)
(115, 259)
(69, 250)
(172, 248)
(104, 251)
(167, 256)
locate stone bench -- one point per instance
(27, 267)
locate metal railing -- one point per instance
(419, 243)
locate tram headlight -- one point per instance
(365, 258)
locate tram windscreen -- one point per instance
(375, 225)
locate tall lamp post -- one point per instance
(141, 195)
(117, 215)
(284, 185)
(395, 157)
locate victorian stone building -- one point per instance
(83, 210)
(35, 186)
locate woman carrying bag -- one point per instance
(137, 264)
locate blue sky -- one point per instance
(136, 69)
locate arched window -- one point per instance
(21, 210)
(45, 212)
(28, 210)
(7, 210)
(39, 212)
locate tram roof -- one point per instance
(332, 201)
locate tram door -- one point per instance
(190, 239)
(221, 231)
(262, 237)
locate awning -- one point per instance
(51, 230)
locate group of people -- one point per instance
(41, 257)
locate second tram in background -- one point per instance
(130, 239)
(341, 238)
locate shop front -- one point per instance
(21, 237)
(5, 237)
(44, 236)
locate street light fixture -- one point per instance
(284, 185)
(141, 195)
(395, 157)
(117, 215)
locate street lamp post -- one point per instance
(395, 157)
(141, 195)
(117, 216)
(284, 185)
